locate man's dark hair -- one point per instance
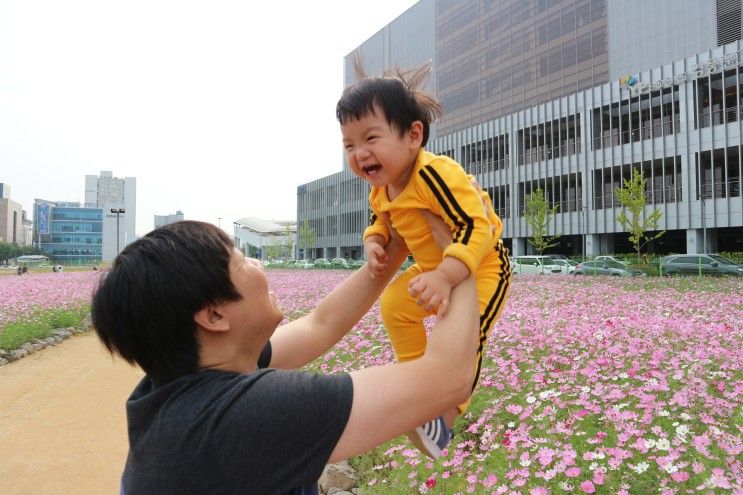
(144, 305)
(396, 94)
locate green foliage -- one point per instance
(306, 235)
(40, 326)
(632, 198)
(538, 215)
(289, 241)
(9, 251)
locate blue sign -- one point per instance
(43, 218)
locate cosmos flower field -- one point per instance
(589, 385)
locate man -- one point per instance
(220, 410)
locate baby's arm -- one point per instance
(375, 254)
(432, 289)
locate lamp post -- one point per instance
(219, 219)
(117, 211)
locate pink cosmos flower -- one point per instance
(539, 490)
(587, 487)
(572, 472)
(599, 476)
(680, 476)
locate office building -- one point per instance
(12, 219)
(569, 96)
(265, 239)
(112, 193)
(161, 220)
(69, 233)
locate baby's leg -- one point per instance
(403, 318)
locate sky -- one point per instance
(220, 109)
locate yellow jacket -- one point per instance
(440, 185)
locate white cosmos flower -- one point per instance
(564, 485)
(685, 416)
(511, 424)
(531, 399)
(640, 467)
(663, 413)
(593, 466)
(663, 444)
(682, 430)
(670, 468)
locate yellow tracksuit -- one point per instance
(440, 185)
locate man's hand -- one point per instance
(431, 290)
(376, 256)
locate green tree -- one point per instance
(306, 236)
(8, 251)
(538, 215)
(632, 198)
(289, 241)
(273, 250)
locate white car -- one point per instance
(568, 266)
(536, 265)
(610, 260)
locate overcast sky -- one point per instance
(218, 108)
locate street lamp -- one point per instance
(117, 211)
(219, 219)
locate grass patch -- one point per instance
(40, 326)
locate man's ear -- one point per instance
(415, 133)
(211, 318)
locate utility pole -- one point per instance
(117, 211)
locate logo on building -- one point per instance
(628, 81)
(708, 68)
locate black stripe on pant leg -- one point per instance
(487, 318)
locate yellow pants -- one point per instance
(403, 318)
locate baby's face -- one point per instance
(377, 152)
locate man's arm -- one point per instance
(393, 399)
(298, 342)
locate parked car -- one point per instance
(700, 264)
(614, 269)
(322, 263)
(568, 266)
(609, 259)
(339, 263)
(535, 265)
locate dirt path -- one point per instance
(62, 420)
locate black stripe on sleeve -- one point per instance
(443, 203)
(455, 204)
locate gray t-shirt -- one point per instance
(214, 432)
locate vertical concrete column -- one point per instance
(695, 241)
(593, 245)
(519, 246)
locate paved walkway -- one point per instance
(62, 420)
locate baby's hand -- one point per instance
(376, 257)
(431, 291)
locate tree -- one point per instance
(306, 236)
(273, 250)
(8, 251)
(289, 241)
(538, 215)
(632, 198)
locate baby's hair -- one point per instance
(396, 92)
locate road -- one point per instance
(62, 419)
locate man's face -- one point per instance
(377, 152)
(257, 313)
